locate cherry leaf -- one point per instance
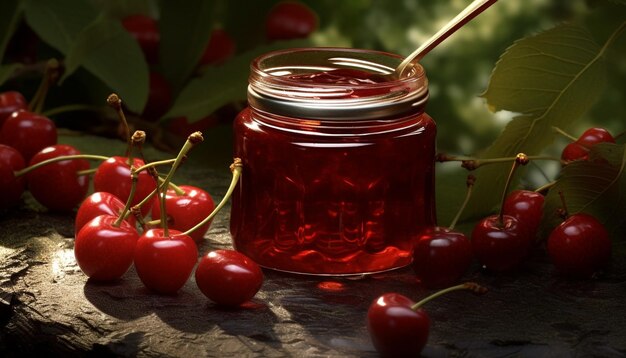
(185, 28)
(58, 22)
(551, 79)
(10, 13)
(106, 49)
(98, 43)
(596, 187)
(220, 85)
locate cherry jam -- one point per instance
(338, 163)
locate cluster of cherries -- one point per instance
(24, 136)
(579, 246)
(127, 191)
(285, 20)
(501, 242)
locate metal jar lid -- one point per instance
(273, 88)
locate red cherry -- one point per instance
(182, 128)
(579, 246)
(290, 20)
(187, 210)
(220, 48)
(11, 188)
(28, 133)
(10, 102)
(164, 264)
(146, 31)
(397, 330)
(574, 151)
(579, 150)
(228, 277)
(159, 97)
(593, 136)
(103, 251)
(96, 204)
(441, 256)
(57, 186)
(500, 246)
(113, 176)
(527, 207)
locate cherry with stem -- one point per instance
(165, 258)
(580, 246)
(113, 176)
(105, 247)
(441, 255)
(399, 327)
(501, 242)
(236, 169)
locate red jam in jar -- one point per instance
(338, 162)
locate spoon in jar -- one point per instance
(473, 9)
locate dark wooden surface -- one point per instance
(48, 306)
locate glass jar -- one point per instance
(338, 162)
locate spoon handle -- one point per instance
(461, 19)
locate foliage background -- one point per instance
(100, 57)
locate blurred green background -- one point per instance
(100, 57)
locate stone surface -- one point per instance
(47, 306)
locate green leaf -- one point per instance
(7, 70)
(185, 28)
(123, 8)
(99, 44)
(10, 12)
(58, 22)
(552, 79)
(221, 85)
(596, 186)
(112, 55)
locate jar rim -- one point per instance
(274, 85)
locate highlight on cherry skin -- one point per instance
(114, 176)
(28, 132)
(579, 149)
(580, 246)
(58, 186)
(164, 262)
(228, 277)
(399, 327)
(96, 204)
(104, 247)
(185, 210)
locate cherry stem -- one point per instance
(193, 139)
(565, 134)
(471, 286)
(50, 76)
(470, 163)
(545, 187)
(86, 171)
(178, 190)
(619, 135)
(173, 186)
(58, 159)
(470, 184)
(154, 164)
(133, 188)
(520, 159)
(236, 169)
(71, 108)
(116, 102)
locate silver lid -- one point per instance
(273, 88)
